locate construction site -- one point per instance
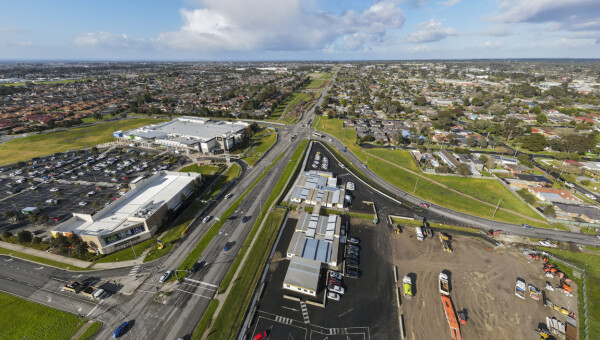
(466, 287)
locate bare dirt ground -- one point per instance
(482, 283)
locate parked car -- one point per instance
(336, 289)
(353, 257)
(54, 189)
(335, 274)
(165, 276)
(334, 281)
(333, 296)
(120, 330)
(351, 252)
(352, 273)
(260, 336)
(352, 262)
(83, 203)
(590, 196)
(353, 240)
(354, 247)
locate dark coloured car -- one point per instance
(352, 273)
(227, 246)
(245, 219)
(352, 262)
(353, 257)
(353, 247)
(120, 330)
(197, 266)
(351, 252)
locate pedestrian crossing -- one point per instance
(338, 331)
(134, 270)
(284, 320)
(304, 311)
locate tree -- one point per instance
(81, 249)
(483, 159)
(550, 212)
(524, 159)
(536, 109)
(420, 101)
(541, 118)
(24, 236)
(534, 142)
(6, 234)
(463, 169)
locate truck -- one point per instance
(407, 283)
(419, 232)
(520, 287)
(444, 284)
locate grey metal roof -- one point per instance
(303, 273)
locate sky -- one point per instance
(240, 30)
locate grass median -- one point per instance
(279, 187)
(41, 260)
(206, 320)
(193, 256)
(23, 319)
(43, 144)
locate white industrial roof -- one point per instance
(188, 127)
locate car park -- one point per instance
(165, 276)
(336, 289)
(333, 296)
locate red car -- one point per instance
(334, 281)
(260, 336)
(55, 219)
(425, 205)
(124, 178)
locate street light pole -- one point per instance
(134, 255)
(76, 311)
(416, 182)
(497, 206)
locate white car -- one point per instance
(82, 203)
(165, 277)
(228, 196)
(54, 189)
(333, 296)
(590, 196)
(336, 289)
(547, 244)
(91, 193)
(206, 219)
(335, 274)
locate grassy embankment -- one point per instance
(41, 260)
(231, 316)
(489, 191)
(22, 319)
(261, 142)
(43, 144)
(591, 264)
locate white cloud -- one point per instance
(421, 48)
(279, 25)
(106, 39)
(430, 31)
(568, 14)
(449, 3)
(492, 44)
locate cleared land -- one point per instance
(482, 283)
(292, 111)
(489, 191)
(43, 144)
(22, 319)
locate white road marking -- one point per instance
(290, 308)
(40, 268)
(206, 297)
(201, 282)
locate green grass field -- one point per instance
(90, 331)
(206, 320)
(41, 260)
(127, 253)
(315, 84)
(591, 264)
(279, 109)
(25, 148)
(22, 319)
(489, 191)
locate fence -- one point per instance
(580, 273)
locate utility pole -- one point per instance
(497, 206)
(76, 311)
(416, 182)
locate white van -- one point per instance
(99, 294)
(419, 233)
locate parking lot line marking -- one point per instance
(290, 308)
(346, 312)
(93, 309)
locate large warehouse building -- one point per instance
(189, 134)
(133, 218)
